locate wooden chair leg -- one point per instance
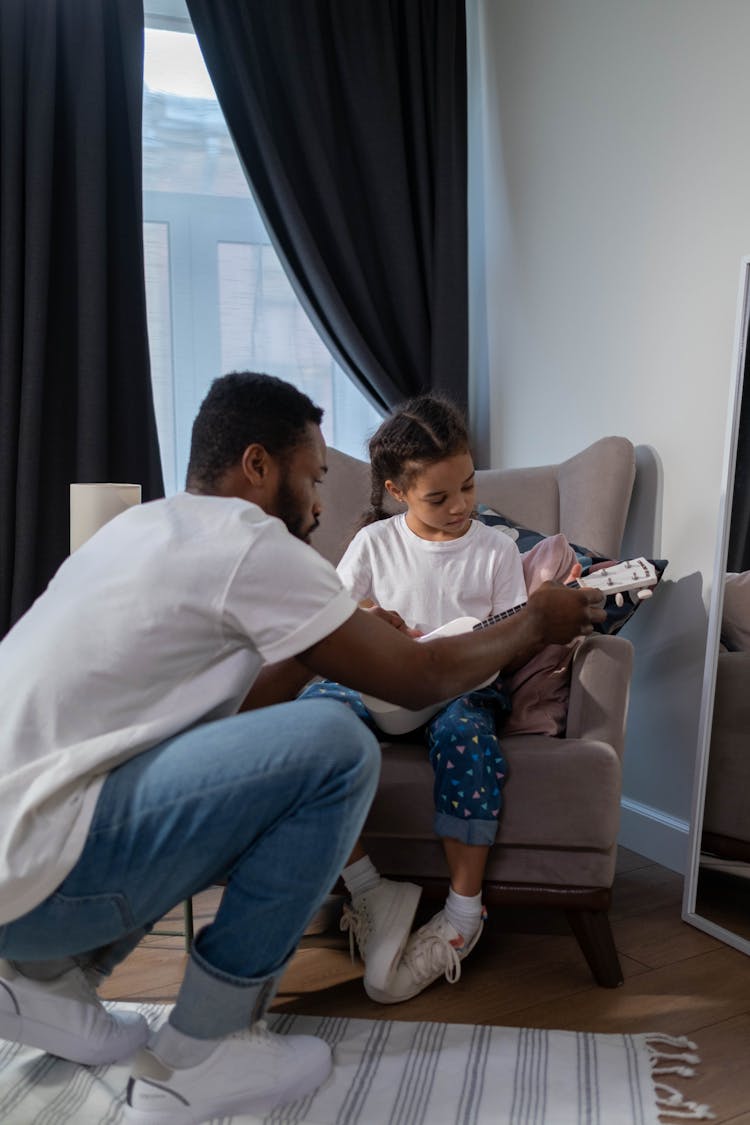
(594, 935)
(187, 910)
(187, 926)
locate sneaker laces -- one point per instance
(431, 954)
(357, 921)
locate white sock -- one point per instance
(178, 1050)
(464, 912)
(360, 877)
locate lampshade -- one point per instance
(93, 505)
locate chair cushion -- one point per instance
(540, 690)
(555, 814)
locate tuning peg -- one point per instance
(619, 600)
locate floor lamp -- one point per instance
(91, 506)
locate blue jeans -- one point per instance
(465, 755)
(469, 765)
(271, 800)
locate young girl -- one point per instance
(430, 564)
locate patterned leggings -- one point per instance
(464, 753)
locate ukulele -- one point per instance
(635, 576)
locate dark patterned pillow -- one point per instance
(525, 539)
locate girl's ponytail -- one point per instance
(420, 432)
(376, 511)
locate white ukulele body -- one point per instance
(636, 575)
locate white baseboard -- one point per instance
(655, 834)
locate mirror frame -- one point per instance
(689, 914)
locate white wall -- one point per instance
(610, 208)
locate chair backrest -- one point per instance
(586, 497)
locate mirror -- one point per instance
(717, 882)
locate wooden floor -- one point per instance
(527, 971)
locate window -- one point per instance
(217, 296)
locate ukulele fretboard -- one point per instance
(574, 585)
(498, 617)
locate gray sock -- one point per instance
(177, 1050)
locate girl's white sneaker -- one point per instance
(380, 922)
(435, 950)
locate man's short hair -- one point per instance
(240, 409)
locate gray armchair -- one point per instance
(557, 840)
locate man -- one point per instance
(130, 779)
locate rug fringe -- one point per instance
(672, 1040)
(658, 1058)
(671, 1102)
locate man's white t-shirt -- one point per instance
(430, 583)
(160, 621)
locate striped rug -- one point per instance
(392, 1073)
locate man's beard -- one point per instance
(287, 509)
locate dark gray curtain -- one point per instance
(738, 556)
(350, 119)
(75, 389)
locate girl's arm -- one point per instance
(390, 617)
(356, 573)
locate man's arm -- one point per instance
(521, 659)
(276, 683)
(369, 655)
(279, 683)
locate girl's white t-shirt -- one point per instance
(160, 621)
(430, 583)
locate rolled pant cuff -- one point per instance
(212, 1004)
(470, 831)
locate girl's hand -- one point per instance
(394, 619)
(575, 573)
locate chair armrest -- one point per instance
(728, 779)
(732, 698)
(600, 689)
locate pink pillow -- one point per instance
(539, 691)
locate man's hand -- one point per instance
(392, 618)
(561, 614)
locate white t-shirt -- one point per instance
(160, 621)
(429, 583)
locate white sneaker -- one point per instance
(380, 921)
(65, 1017)
(250, 1072)
(436, 949)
